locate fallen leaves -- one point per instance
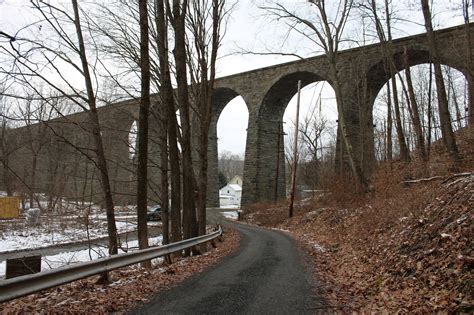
(410, 250)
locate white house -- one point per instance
(230, 195)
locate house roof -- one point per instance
(235, 187)
(235, 179)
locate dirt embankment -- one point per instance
(406, 247)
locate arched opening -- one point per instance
(316, 137)
(418, 118)
(276, 130)
(229, 121)
(132, 140)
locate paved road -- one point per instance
(264, 276)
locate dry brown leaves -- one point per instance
(408, 250)
(130, 287)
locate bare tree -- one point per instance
(142, 169)
(449, 139)
(169, 127)
(453, 97)
(231, 164)
(415, 114)
(385, 37)
(177, 16)
(327, 33)
(36, 59)
(467, 26)
(204, 21)
(388, 137)
(430, 110)
(32, 113)
(94, 117)
(162, 41)
(312, 129)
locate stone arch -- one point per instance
(271, 184)
(377, 76)
(116, 127)
(282, 90)
(220, 98)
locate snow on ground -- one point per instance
(233, 215)
(120, 216)
(319, 248)
(96, 252)
(154, 223)
(230, 207)
(46, 235)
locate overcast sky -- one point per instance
(250, 29)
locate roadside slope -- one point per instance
(406, 248)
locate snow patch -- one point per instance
(95, 252)
(319, 248)
(43, 236)
(230, 207)
(233, 215)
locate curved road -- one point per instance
(264, 276)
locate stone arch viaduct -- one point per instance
(266, 92)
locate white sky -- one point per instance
(249, 29)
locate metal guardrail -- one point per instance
(20, 286)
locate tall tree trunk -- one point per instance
(386, 44)
(389, 124)
(404, 155)
(420, 141)
(207, 86)
(164, 183)
(189, 210)
(454, 97)
(142, 134)
(430, 110)
(99, 147)
(445, 118)
(167, 98)
(389, 58)
(331, 49)
(467, 26)
(175, 174)
(7, 178)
